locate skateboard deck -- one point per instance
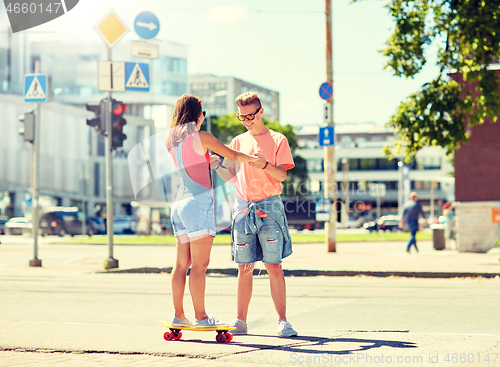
(175, 333)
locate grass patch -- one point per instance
(225, 239)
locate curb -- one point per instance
(327, 273)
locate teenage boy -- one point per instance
(259, 226)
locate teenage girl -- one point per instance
(192, 212)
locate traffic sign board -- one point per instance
(111, 28)
(146, 25)
(326, 136)
(137, 76)
(35, 88)
(326, 90)
(144, 49)
(111, 76)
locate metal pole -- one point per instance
(109, 263)
(400, 189)
(36, 177)
(84, 219)
(330, 188)
(345, 192)
(432, 203)
(378, 204)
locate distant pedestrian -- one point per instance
(192, 212)
(412, 210)
(449, 224)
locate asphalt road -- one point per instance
(335, 316)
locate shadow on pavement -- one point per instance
(302, 344)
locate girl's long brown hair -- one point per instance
(187, 109)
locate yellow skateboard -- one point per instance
(223, 334)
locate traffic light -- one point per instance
(117, 123)
(98, 122)
(28, 131)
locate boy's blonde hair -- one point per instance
(248, 98)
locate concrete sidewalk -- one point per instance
(352, 258)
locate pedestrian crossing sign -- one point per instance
(35, 88)
(137, 76)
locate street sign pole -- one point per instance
(330, 187)
(36, 177)
(378, 206)
(111, 28)
(109, 263)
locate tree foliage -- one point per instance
(467, 33)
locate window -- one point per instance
(427, 163)
(367, 164)
(385, 164)
(424, 185)
(315, 165)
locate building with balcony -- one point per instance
(360, 162)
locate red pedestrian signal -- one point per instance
(117, 123)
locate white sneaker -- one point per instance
(285, 329)
(209, 322)
(241, 327)
(176, 321)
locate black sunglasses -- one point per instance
(204, 113)
(249, 117)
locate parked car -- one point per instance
(385, 223)
(98, 225)
(124, 224)
(17, 226)
(64, 220)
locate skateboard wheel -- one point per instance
(168, 336)
(229, 337)
(221, 338)
(178, 335)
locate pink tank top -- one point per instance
(193, 161)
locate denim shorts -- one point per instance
(194, 215)
(265, 245)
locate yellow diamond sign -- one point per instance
(111, 28)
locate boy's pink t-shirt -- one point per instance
(254, 184)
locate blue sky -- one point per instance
(279, 44)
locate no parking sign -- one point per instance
(326, 91)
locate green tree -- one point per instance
(225, 128)
(467, 34)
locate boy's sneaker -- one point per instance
(241, 327)
(285, 329)
(209, 322)
(176, 321)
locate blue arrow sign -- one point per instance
(326, 136)
(137, 76)
(35, 88)
(146, 25)
(326, 90)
